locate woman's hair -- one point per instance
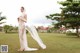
(22, 7)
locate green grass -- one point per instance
(56, 43)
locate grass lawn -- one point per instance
(56, 43)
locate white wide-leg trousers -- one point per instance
(32, 30)
(23, 39)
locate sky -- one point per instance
(36, 11)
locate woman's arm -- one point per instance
(24, 18)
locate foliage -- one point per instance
(2, 18)
(7, 28)
(69, 16)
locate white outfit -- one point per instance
(22, 35)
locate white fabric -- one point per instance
(32, 31)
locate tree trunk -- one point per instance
(6, 31)
(77, 31)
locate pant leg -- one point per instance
(25, 42)
(35, 35)
(29, 30)
(21, 38)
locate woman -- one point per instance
(22, 33)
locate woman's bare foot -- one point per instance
(21, 49)
(43, 46)
(30, 49)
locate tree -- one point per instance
(56, 17)
(70, 14)
(2, 18)
(6, 28)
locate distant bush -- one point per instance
(71, 34)
(49, 31)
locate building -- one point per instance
(42, 29)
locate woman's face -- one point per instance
(22, 10)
